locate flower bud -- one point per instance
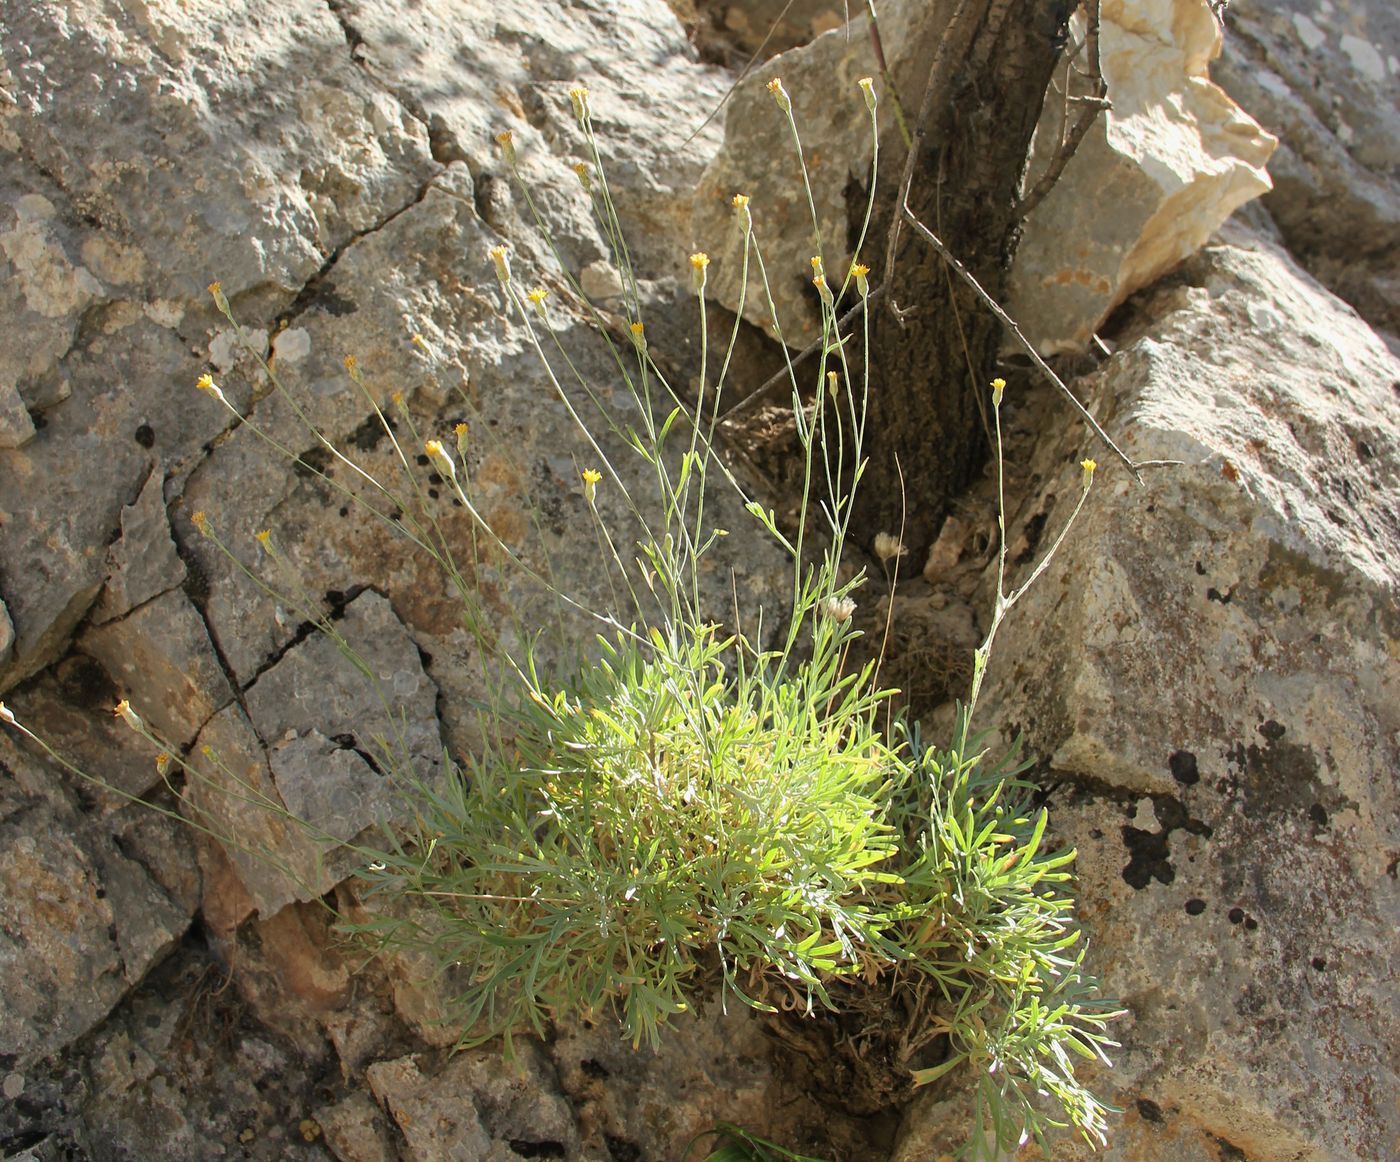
(502, 260)
(867, 88)
(775, 86)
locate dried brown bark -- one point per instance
(972, 141)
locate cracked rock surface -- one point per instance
(1207, 678)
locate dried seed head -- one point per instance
(839, 609)
(889, 548)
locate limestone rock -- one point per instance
(1150, 183)
(161, 660)
(80, 924)
(284, 814)
(144, 562)
(142, 158)
(759, 159)
(473, 1108)
(355, 1130)
(1326, 79)
(1153, 179)
(1214, 656)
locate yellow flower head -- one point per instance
(867, 88)
(833, 382)
(506, 140)
(264, 538)
(397, 398)
(128, 715)
(217, 292)
(351, 364)
(440, 459)
(1088, 466)
(698, 262)
(216, 289)
(538, 295)
(822, 289)
(462, 431)
(206, 384)
(585, 175)
(162, 764)
(775, 86)
(420, 342)
(591, 477)
(998, 387)
(502, 261)
(739, 201)
(200, 521)
(578, 95)
(639, 336)
(861, 273)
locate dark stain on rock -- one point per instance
(312, 463)
(146, 436)
(1149, 852)
(1281, 778)
(1195, 906)
(1182, 765)
(85, 683)
(1149, 1111)
(1034, 530)
(1229, 1152)
(1148, 858)
(1214, 594)
(538, 1149)
(370, 434)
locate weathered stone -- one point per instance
(1173, 158)
(144, 563)
(259, 174)
(355, 1130)
(1326, 79)
(284, 815)
(474, 1108)
(1151, 181)
(161, 660)
(1214, 655)
(80, 924)
(759, 159)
